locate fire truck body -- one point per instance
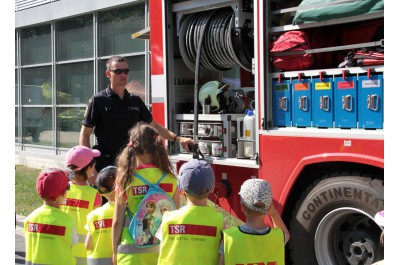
(327, 180)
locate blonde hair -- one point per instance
(143, 140)
(247, 211)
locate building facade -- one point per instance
(61, 47)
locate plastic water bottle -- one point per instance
(249, 128)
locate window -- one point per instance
(37, 126)
(116, 28)
(17, 138)
(55, 73)
(36, 118)
(68, 126)
(16, 87)
(75, 38)
(36, 86)
(74, 83)
(36, 45)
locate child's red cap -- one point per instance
(51, 183)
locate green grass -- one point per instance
(27, 200)
(229, 219)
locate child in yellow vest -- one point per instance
(81, 198)
(49, 232)
(146, 156)
(255, 242)
(99, 221)
(191, 235)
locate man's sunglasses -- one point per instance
(120, 71)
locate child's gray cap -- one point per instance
(196, 177)
(256, 194)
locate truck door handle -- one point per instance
(373, 102)
(303, 103)
(324, 103)
(283, 103)
(347, 103)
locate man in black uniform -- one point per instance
(113, 112)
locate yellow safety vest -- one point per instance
(99, 222)
(242, 248)
(191, 235)
(48, 237)
(78, 204)
(128, 252)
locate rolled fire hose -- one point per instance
(221, 50)
(224, 45)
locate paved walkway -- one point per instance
(19, 241)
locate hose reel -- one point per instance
(206, 42)
(225, 46)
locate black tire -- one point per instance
(333, 222)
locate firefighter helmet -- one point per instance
(214, 93)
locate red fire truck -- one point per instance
(315, 131)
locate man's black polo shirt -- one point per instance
(112, 118)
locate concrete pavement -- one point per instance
(19, 240)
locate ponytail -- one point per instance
(126, 165)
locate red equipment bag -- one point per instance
(363, 57)
(292, 41)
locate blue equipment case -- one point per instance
(322, 109)
(345, 107)
(281, 103)
(370, 101)
(301, 102)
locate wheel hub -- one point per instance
(347, 236)
(360, 248)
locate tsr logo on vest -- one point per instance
(177, 229)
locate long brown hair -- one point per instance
(143, 140)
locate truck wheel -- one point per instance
(333, 222)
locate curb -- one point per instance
(19, 219)
(19, 225)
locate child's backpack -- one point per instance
(147, 219)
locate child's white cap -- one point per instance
(256, 194)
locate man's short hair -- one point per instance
(117, 59)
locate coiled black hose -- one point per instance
(218, 53)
